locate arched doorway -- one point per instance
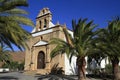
(41, 60)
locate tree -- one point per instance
(109, 41)
(4, 54)
(14, 65)
(12, 19)
(78, 45)
(97, 55)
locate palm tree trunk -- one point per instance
(81, 68)
(115, 65)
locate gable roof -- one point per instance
(40, 43)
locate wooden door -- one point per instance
(41, 60)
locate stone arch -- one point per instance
(45, 23)
(41, 60)
(40, 24)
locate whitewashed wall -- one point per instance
(70, 69)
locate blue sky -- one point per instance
(65, 10)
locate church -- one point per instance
(37, 57)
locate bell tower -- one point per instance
(43, 19)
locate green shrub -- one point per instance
(13, 66)
(56, 70)
(108, 68)
(21, 66)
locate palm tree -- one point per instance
(78, 45)
(12, 19)
(109, 42)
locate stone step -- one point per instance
(43, 71)
(33, 72)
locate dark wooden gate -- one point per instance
(41, 60)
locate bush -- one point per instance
(21, 66)
(14, 66)
(56, 70)
(108, 68)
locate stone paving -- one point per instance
(21, 76)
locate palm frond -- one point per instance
(79, 44)
(15, 11)
(11, 4)
(12, 19)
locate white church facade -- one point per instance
(37, 58)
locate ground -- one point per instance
(22, 76)
(15, 76)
